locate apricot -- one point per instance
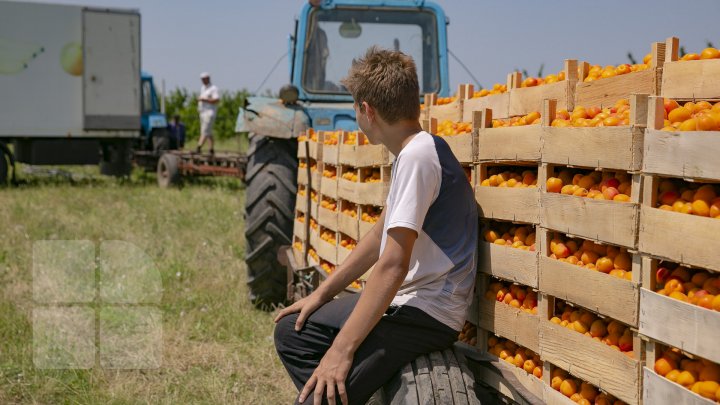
(664, 365)
(711, 372)
(556, 382)
(598, 328)
(529, 366)
(679, 114)
(537, 372)
(580, 327)
(622, 198)
(605, 264)
(708, 389)
(686, 379)
(589, 257)
(615, 327)
(568, 387)
(672, 375)
(623, 261)
(588, 392)
(554, 185)
(716, 303)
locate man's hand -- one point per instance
(329, 375)
(305, 306)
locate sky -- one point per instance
(239, 41)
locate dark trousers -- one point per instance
(403, 334)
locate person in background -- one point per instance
(177, 133)
(207, 108)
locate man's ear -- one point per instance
(369, 111)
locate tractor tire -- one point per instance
(160, 140)
(271, 186)
(116, 158)
(436, 378)
(168, 171)
(4, 165)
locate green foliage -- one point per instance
(184, 103)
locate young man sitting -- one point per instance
(423, 249)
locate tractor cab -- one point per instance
(153, 122)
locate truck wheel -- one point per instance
(116, 159)
(168, 170)
(4, 165)
(160, 140)
(437, 378)
(271, 179)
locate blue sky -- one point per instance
(239, 41)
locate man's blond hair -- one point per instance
(386, 80)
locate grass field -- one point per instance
(216, 347)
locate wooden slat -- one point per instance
(553, 397)
(329, 187)
(511, 264)
(660, 390)
(606, 92)
(617, 148)
(326, 250)
(698, 79)
(690, 155)
(526, 100)
(603, 221)
(463, 146)
(608, 295)
(680, 324)
(299, 229)
(509, 143)
(347, 224)
(452, 111)
(498, 103)
(510, 204)
(592, 361)
(692, 248)
(364, 228)
(328, 218)
(509, 322)
(342, 254)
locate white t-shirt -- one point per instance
(210, 91)
(431, 195)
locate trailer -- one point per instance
(72, 88)
(172, 165)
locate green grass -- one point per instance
(216, 347)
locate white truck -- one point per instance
(70, 86)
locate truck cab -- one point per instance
(153, 120)
(328, 37)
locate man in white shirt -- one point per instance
(207, 108)
(423, 248)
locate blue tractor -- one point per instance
(326, 40)
(154, 134)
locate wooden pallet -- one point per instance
(605, 92)
(593, 361)
(657, 227)
(674, 322)
(328, 186)
(696, 79)
(347, 224)
(358, 155)
(659, 390)
(498, 103)
(601, 221)
(689, 155)
(506, 321)
(463, 146)
(511, 144)
(529, 99)
(516, 265)
(599, 148)
(508, 204)
(596, 291)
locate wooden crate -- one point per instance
(343, 253)
(328, 218)
(301, 201)
(299, 255)
(593, 361)
(516, 265)
(529, 99)
(358, 155)
(509, 204)
(659, 390)
(303, 148)
(553, 397)
(601, 221)
(302, 176)
(684, 154)
(326, 251)
(373, 193)
(675, 322)
(463, 146)
(618, 148)
(657, 228)
(328, 186)
(347, 224)
(608, 295)
(696, 79)
(506, 321)
(452, 111)
(309, 148)
(507, 143)
(605, 92)
(498, 103)
(330, 152)
(363, 226)
(300, 228)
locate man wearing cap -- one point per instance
(207, 107)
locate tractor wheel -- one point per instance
(116, 158)
(437, 378)
(168, 171)
(4, 165)
(271, 185)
